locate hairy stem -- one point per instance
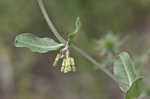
(83, 53)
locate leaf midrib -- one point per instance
(126, 71)
(43, 47)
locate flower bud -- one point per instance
(58, 56)
(63, 65)
(72, 61)
(62, 68)
(72, 64)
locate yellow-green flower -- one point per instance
(57, 59)
(72, 64)
(68, 63)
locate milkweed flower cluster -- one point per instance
(68, 63)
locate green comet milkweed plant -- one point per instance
(43, 45)
(124, 70)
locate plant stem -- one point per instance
(49, 22)
(83, 53)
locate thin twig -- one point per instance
(83, 53)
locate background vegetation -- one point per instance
(24, 74)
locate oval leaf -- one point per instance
(135, 90)
(35, 43)
(124, 70)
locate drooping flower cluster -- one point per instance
(68, 63)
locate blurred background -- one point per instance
(27, 75)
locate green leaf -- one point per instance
(124, 70)
(35, 43)
(135, 90)
(73, 35)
